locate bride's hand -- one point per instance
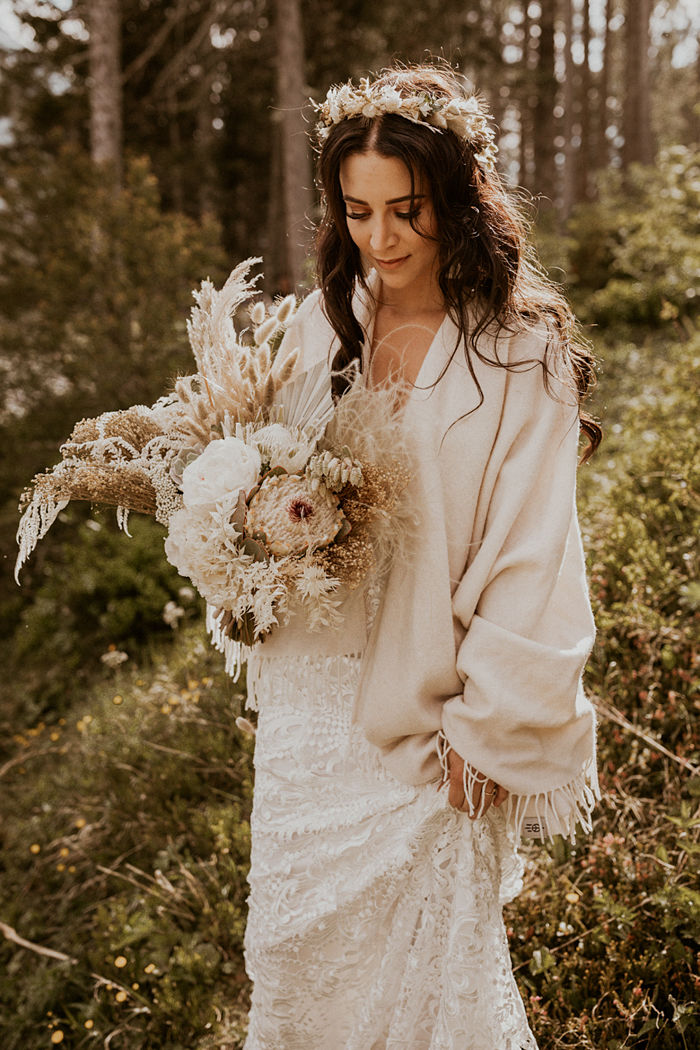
(457, 797)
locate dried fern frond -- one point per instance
(238, 377)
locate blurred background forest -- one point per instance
(146, 144)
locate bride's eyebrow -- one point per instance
(394, 200)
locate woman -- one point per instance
(375, 908)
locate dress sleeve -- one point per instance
(523, 718)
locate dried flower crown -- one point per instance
(465, 117)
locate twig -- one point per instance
(50, 953)
(617, 716)
(11, 935)
(175, 751)
(19, 759)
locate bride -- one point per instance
(375, 905)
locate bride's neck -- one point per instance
(411, 301)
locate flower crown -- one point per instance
(464, 116)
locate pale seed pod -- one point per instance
(285, 309)
(288, 366)
(265, 331)
(264, 359)
(268, 392)
(257, 314)
(251, 373)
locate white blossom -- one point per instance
(225, 467)
(172, 614)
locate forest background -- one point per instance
(146, 144)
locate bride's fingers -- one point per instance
(486, 795)
(455, 795)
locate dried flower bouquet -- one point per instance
(272, 497)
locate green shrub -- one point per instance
(605, 938)
(95, 288)
(125, 848)
(635, 253)
(95, 591)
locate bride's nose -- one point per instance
(382, 234)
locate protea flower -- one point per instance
(291, 517)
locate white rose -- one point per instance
(225, 467)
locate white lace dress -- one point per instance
(375, 908)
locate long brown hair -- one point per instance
(487, 270)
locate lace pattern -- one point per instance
(375, 908)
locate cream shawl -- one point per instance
(484, 628)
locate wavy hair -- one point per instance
(487, 270)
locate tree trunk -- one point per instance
(602, 151)
(583, 167)
(526, 103)
(104, 23)
(568, 188)
(276, 253)
(545, 174)
(638, 147)
(296, 169)
(177, 190)
(204, 140)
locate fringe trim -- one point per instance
(470, 777)
(235, 654)
(542, 814)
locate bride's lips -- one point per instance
(391, 264)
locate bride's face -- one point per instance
(379, 210)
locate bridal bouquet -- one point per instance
(273, 498)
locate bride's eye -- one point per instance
(411, 215)
(356, 215)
